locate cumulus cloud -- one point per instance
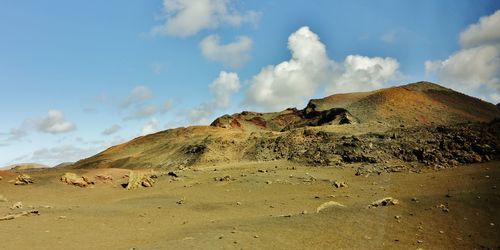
(151, 127)
(186, 17)
(475, 69)
(54, 123)
(111, 130)
(361, 73)
(142, 112)
(485, 32)
(138, 95)
(222, 89)
(232, 54)
(291, 83)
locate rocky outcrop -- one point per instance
(138, 179)
(74, 179)
(24, 179)
(441, 146)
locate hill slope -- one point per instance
(421, 103)
(321, 133)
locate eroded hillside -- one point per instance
(421, 123)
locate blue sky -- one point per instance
(79, 76)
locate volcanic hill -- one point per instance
(422, 123)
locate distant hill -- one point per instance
(308, 134)
(24, 166)
(63, 164)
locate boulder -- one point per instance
(138, 179)
(24, 179)
(387, 201)
(74, 179)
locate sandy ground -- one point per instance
(274, 208)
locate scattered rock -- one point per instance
(269, 182)
(181, 201)
(17, 205)
(17, 215)
(443, 207)
(225, 178)
(340, 184)
(24, 179)
(387, 201)
(104, 178)
(327, 205)
(74, 179)
(172, 173)
(3, 199)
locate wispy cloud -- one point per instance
(139, 94)
(142, 112)
(111, 130)
(233, 54)
(151, 127)
(222, 89)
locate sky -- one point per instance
(77, 77)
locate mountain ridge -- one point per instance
(239, 137)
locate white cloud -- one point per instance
(142, 112)
(54, 123)
(232, 54)
(475, 69)
(222, 89)
(486, 32)
(111, 130)
(186, 17)
(17, 133)
(201, 114)
(167, 106)
(292, 82)
(138, 95)
(151, 127)
(363, 73)
(59, 154)
(468, 69)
